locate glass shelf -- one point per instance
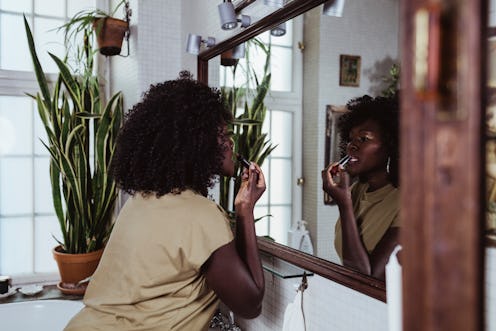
(282, 268)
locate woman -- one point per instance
(171, 255)
(368, 228)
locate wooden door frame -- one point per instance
(442, 197)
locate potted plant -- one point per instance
(392, 81)
(249, 141)
(81, 135)
(110, 31)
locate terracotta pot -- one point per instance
(227, 60)
(75, 267)
(110, 32)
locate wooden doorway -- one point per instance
(442, 200)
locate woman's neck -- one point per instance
(378, 181)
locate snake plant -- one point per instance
(81, 133)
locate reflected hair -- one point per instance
(169, 141)
(385, 112)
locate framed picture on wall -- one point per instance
(349, 70)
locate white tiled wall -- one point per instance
(327, 306)
(331, 306)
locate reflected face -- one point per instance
(226, 140)
(367, 151)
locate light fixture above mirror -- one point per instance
(279, 30)
(228, 19)
(195, 41)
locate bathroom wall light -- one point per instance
(194, 43)
(279, 30)
(228, 20)
(333, 8)
(238, 51)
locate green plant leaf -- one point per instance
(40, 76)
(248, 138)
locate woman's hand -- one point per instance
(336, 183)
(251, 189)
(234, 271)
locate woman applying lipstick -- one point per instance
(172, 256)
(368, 228)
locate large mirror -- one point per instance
(367, 31)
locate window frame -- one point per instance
(19, 83)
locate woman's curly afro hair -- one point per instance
(169, 140)
(385, 112)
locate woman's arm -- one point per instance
(234, 271)
(380, 255)
(355, 254)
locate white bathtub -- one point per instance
(42, 315)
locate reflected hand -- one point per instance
(336, 183)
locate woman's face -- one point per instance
(225, 139)
(367, 151)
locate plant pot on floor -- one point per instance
(74, 268)
(110, 33)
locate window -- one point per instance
(27, 220)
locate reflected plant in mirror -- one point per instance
(245, 98)
(392, 81)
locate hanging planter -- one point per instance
(227, 60)
(231, 57)
(110, 33)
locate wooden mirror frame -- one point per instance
(339, 274)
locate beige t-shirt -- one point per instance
(149, 275)
(375, 213)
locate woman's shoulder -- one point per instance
(198, 206)
(194, 202)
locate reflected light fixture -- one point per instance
(275, 3)
(238, 51)
(194, 43)
(279, 30)
(228, 20)
(333, 8)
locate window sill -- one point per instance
(49, 292)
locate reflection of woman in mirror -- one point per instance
(368, 228)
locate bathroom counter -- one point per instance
(49, 292)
